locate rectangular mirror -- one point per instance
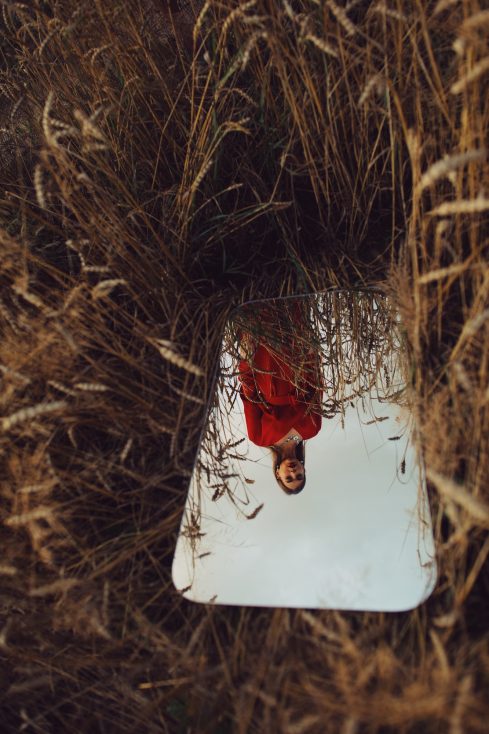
(307, 490)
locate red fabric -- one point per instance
(273, 404)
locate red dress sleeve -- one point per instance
(253, 403)
(248, 384)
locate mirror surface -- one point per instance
(358, 534)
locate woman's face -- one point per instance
(291, 473)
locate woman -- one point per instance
(288, 463)
(280, 391)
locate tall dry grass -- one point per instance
(157, 170)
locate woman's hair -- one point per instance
(277, 460)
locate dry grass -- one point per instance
(154, 174)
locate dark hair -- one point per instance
(277, 460)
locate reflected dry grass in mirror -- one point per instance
(150, 182)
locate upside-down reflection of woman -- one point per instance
(280, 393)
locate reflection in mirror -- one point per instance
(307, 490)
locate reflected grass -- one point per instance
(352, 338)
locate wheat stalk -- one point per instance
(91, 386)
(45, 486)
(55, 587)
(96, 269)
(105, 287)
(342, 17)
(41, 199)
(375, 81)
(440, 273)
(51, 139)
(448, 164)
(461, 206)
(88, 129)
(237, 12)
(9, 371)
(250, 44)
(73, 246)
(462, 376)
(125, 451)
(200, 20)
(200, 176)
(321, 44)
(166, 349)
(62, 388)
(50, 35)
(476, 21)
(25, 414)
(32, 299)
(94, 52)
(444, 5)
(382, 8)
(289, 11)
(472, 326)
(478, 70)
(187, 395)
(40, 513)
(476, 508)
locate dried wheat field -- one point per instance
(162, 162)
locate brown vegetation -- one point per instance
(150, 181)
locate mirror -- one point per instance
(307, 490)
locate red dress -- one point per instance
(276, 399)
